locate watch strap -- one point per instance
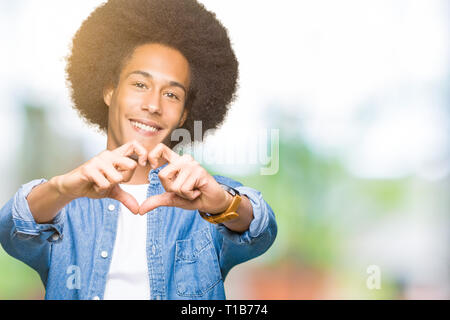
(230, 213)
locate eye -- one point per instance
(172, 95)
(140, 85)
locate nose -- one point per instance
(152, 103)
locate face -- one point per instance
(149, 100)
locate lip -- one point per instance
(144, 132)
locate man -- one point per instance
(139, 221)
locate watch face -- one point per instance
(230, 190)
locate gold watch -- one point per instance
(230, 213)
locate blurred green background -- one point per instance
(358, 93)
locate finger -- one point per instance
(101, 184)
(160, 155)
(124, 163)
(125, 198)
(190, 187)
(125, 166)
(168, 175)
(131, 148)
(168, 199)
(110, 173)
(134, 157)
(184, 185)
(171, 171)
(117, 160)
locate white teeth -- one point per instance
(143, 126)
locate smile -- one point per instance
(144, 128)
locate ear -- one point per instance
(107, 95)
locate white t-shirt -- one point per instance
(128, 273)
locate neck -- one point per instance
(140, 175)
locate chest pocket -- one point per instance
(196, 265)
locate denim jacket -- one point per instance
(187, 257)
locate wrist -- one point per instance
(225, 204)
(57, 186)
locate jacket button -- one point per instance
(111, 207)
(55, 237)
(96, 298)
(104, 254)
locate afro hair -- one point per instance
(108, 37)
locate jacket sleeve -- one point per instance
(234, 247)
(22, 237)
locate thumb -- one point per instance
(166, 199)
(125, 198)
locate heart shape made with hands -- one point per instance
(186, 183)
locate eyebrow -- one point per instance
(148, 75)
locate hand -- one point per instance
(188, 185)
(100, 177)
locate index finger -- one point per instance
(133, 147)
(160, 155)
